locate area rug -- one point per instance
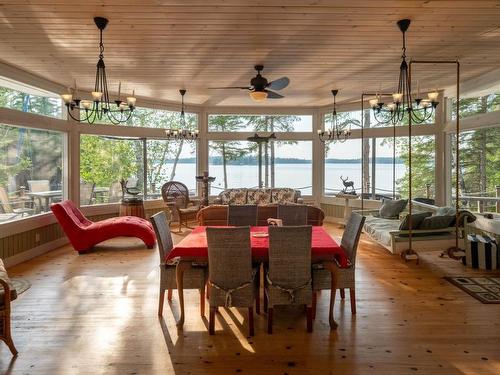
(21, 285)
(484, 289)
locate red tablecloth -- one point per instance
(323, 248)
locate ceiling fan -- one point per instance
(260, 88)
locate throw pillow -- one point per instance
(392, 208)
(437, 222)
(445, 211)
(416, 220)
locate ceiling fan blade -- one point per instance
(231, 87)
(279, 84)
(273, 95)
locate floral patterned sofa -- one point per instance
(259, 196)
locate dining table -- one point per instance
(194, 249)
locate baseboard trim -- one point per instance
(34, 252)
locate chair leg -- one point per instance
(202, 301)
(211, 320)
(353, 300)
(250, 322)
(160, 302)
(314, 303)
(7, 338)
(207, 294)
(169, 294)
(265, 302)
(309, 314)
(270, 320)
(342, 293)
(257, 294)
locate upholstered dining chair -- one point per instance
(242, 215)
(345, 276)
(231, 277)
(288, 276)
(292, 214)
(194, 277)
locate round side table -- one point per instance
(132, 207)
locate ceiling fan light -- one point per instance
(258, 96)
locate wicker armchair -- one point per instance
(7, 294)
(292, 215)
(345, 276)
(231, 280)
(194, 277)
(242, 215)
(176, 195)
(288, 277)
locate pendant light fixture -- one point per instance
(182, 133)
(420, 110)
(336, 132)
(100, 107)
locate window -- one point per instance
(170, 161)
(264, 123)
(23, 98)
(479, 172)
(473, 106)
(290, 165)
(234, 164)
(31, 165)
(342, 161)
(104, 162)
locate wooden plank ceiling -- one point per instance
(159, 46)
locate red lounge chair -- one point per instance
(84, 234)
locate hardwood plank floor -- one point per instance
(96, 314)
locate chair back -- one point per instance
(290, 255)
(293, 215)
(163, 235)
(36, 186)
(86, 193)
(5, 206)
(351, 235)
(115, 192)
(242, 215)
(176, 192)
(229, 256)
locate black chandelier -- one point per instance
(100, 106)
(182, 133)
(336, 131)
(419, 110)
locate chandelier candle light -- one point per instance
(100, 106)
(420, 110)
(336, 132)
(183, 133)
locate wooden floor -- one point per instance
(96, 314)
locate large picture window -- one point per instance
(30, 100)
(31, 171)
(104, 163)
(260, 123)
(479, 169)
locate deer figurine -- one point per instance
(347, 184)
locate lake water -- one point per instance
(298, 176)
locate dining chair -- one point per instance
(15, 207)
(292, 214)
(242, 215)
(231, 277)
(288, 276)
(195, 277)
(345, 276)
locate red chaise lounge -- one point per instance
(84, 234)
